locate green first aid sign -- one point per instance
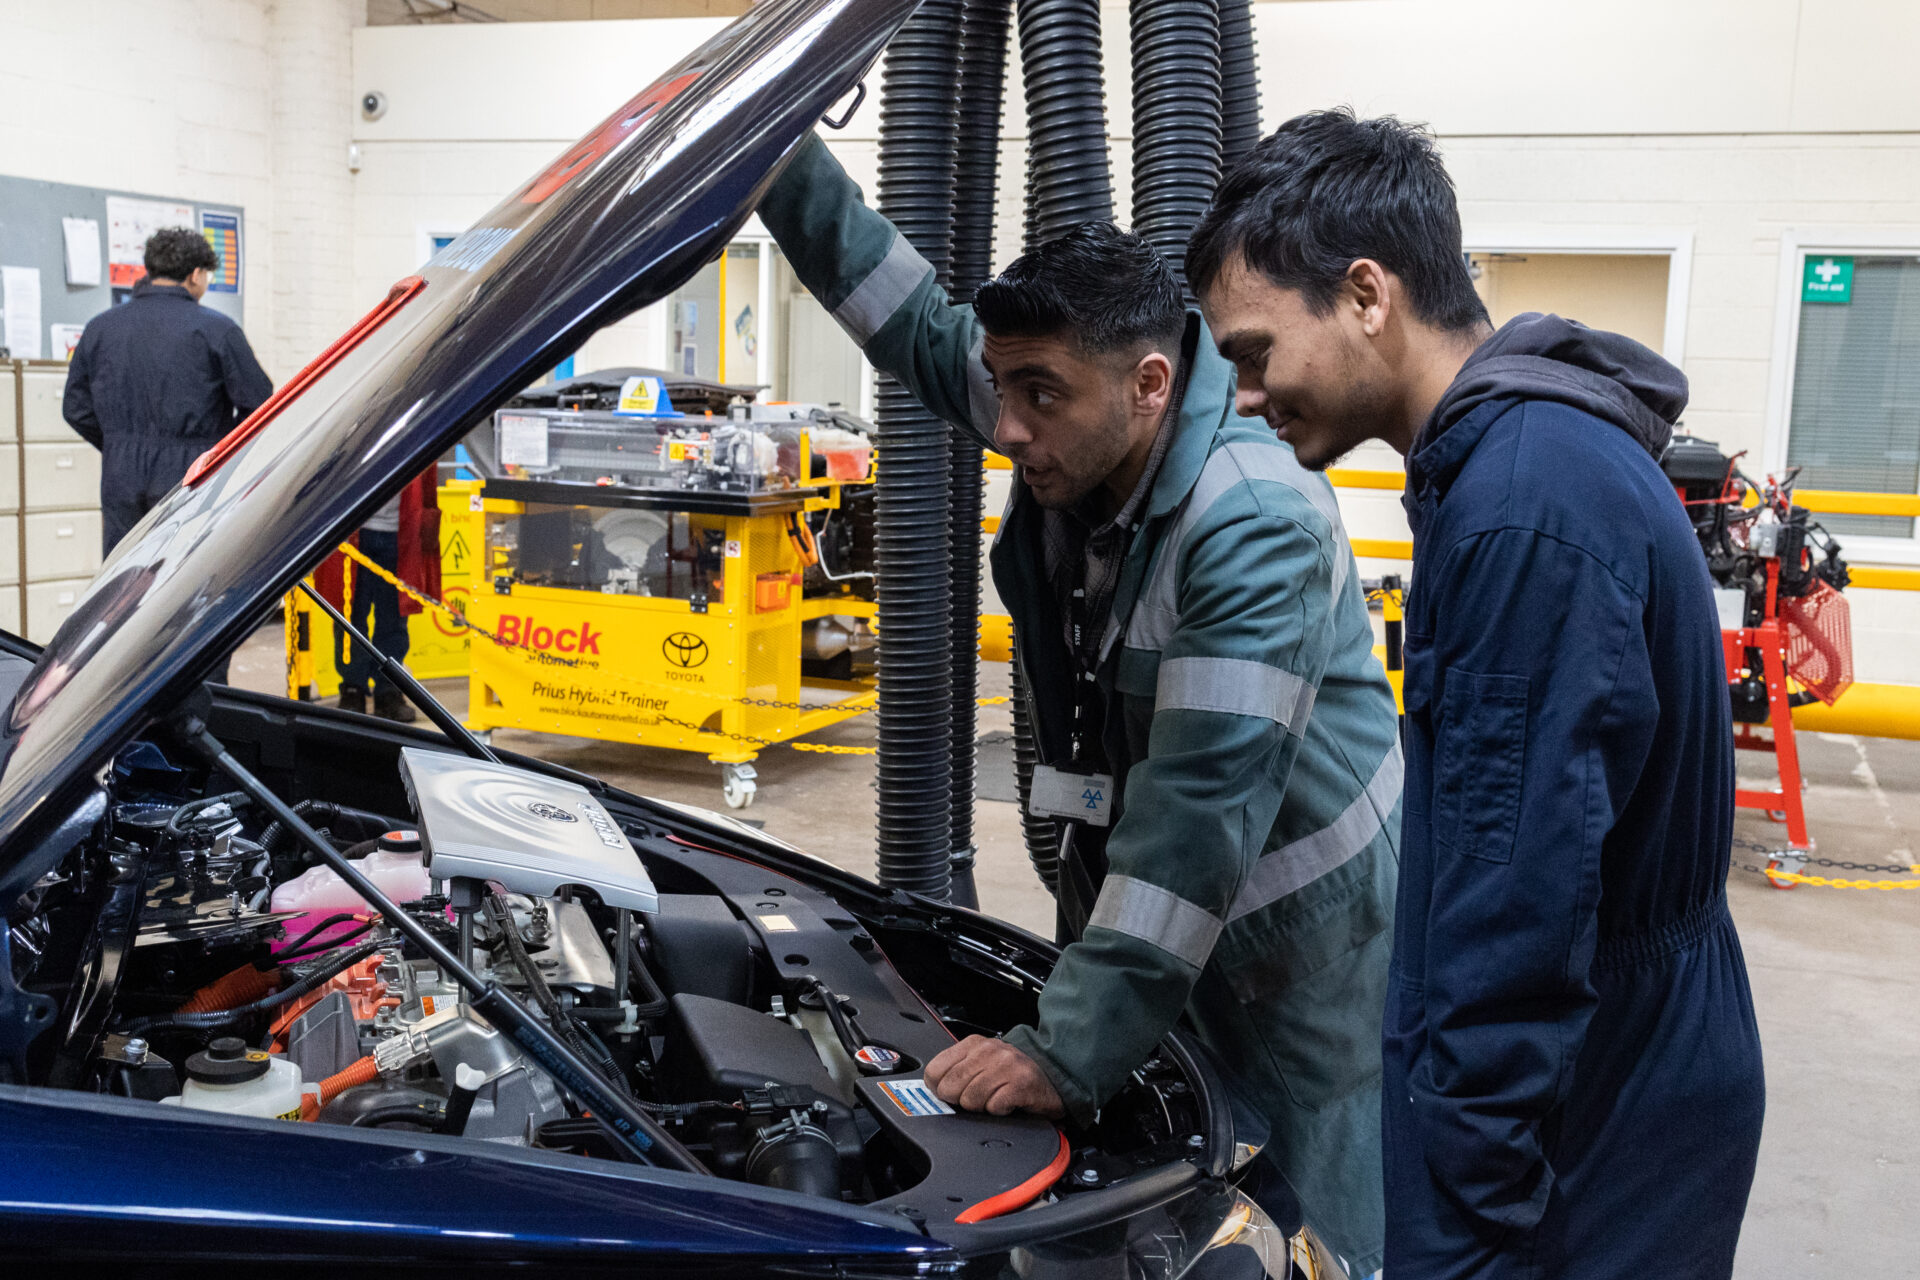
(1827, 279)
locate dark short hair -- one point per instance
(1326, 189)
(174, 253)
(1110, 290)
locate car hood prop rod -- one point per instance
(633, 1132)
(394, 670)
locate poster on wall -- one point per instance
(20, 333)
(129, 223)
(80, 238)
(222, 231)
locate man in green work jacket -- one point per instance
(1197, 644)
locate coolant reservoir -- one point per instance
(228, 1077)
(321, 891)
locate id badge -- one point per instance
(1073, 794)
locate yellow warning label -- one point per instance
(640, 395)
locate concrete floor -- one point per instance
(1836, 973)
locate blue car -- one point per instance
(555, 1024)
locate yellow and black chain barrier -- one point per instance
(1779, 875)
(421, 598)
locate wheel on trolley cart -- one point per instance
(738, 784)
(1789, 862)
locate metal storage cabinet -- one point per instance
(57, 525)
(12, 597)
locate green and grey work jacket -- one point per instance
(1251, 865)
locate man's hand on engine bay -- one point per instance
(981, 1074)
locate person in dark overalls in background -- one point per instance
(1573, 1082)
(157, 382)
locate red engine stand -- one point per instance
(1771, 640)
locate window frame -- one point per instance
(1674, 242)
(1796, 245)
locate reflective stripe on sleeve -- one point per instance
(1158, 917)
(983, 402)
(883, 292)
(1237, 686)
(1294, 866)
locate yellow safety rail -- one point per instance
(1871, 710)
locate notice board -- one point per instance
(40, 230)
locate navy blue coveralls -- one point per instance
(154, 384)
(1572, 1069)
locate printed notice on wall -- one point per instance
(65, 338)
(82, 239)
(222, 231)
(21, 333)
(129, 224)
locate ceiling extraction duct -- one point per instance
(1176, 121)
(983, 65)
(918, 123)
(1239, 83)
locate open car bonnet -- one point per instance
(616, 222)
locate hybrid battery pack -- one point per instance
(532, 834)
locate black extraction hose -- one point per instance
(1068, 182)
(1176, 121)
(976, 166)
(918, 122)
(1239, 83)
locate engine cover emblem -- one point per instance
(532, 834)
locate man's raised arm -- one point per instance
(879, 289)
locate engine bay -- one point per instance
(203, 959)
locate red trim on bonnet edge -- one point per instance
(1024, 1194)
(210, 461)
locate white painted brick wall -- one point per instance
(310, 53)
(162, 97)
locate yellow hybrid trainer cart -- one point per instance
(697, 583)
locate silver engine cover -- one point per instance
(533, 835)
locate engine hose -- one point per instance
(558, 1018)
(177, 821)
(365, 1071)
(344, 917)
(428, 1115)
(374, 1105)
(1239, 83)
(976, 166)
(1069, 179)
(918, 124)
(333, 968)
(335, 817)
(242, 986)
(293, 955)
(1176, 121)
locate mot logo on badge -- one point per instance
(1093, 797)
(684, 649)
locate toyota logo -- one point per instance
(551, 812)
(684, 649)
